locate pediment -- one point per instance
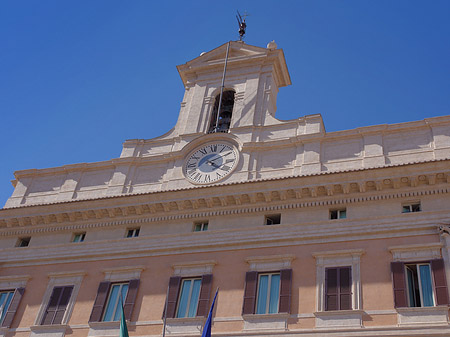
(237, 50)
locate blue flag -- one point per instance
(207, 328)
(123, 324)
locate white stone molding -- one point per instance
(423, 316)
(104, 329)
(339, 319)
(13, 281)
(55, 330)
(269, 263)
(185, 326)
(416, 252)
(123, 273)
(195, 268)
(55, 222)
(72, 278)
(338, 258)
(272, 322)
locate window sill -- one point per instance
(54, 330)
(423, 315)
(186, 325)
(266, 321)
(339, 318)
(103, 328)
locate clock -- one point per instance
(210, 163)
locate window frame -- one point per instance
(189, 298)
(268, 294)
(272, 219)
(4, 307)
(333, 259)
(117, 301)
(203, 225)
(57, 305)
(135, 232)
(411, 207)
(419, 278)
(338, 288)
(21, 240)
(339, 212)
(82, 236)
(58, 279)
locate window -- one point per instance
(23, 242)
(338, 288)
(5, 300)
(116, 295)
(188, 297)
(267, 292)
(273, 219)
(413, 207)
(421, 284)
(189, 293)
(420, 290)
(57, 305)
(9, 303)
(226, 110)
(338, 214)
(78, 237)
(133, 232)
(200, 226)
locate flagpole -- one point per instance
(165, 313)
(206, 332)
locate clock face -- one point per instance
(210, 163)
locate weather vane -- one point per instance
(242, 24)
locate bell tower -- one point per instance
(253, 78)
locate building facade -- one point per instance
(304, 232)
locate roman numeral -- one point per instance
(229, 161)
(207, 178)
(191, 172)
(219, 175)
(195, 158)
(223, 148)
(190, 165)
(197, 177)
(213, 148)
(203, 151)
(225, 168)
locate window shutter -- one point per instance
(131, 298)
(251, 280)
(62, 305)
(331, 289)
(13, 306)
(345, 288)
(285, 291)
(399, 284)
(52, 306)
(440, 282)
(172, 296)
(205, 293)
(100, 300)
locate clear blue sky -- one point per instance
(77, 78)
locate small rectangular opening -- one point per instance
(338, 214)
(78, 237)
(200, 226)
(411, 207)
(272, 219)
(23, 242)
(133, 232)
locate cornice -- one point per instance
(278, 196)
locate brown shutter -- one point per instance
(13, 306)
(131, 298)
(100, 300)
(62, 305)
(440, 282)
(251, 280)
(399, 284)
(205, 293)
(172, 296)
(285, 291)
(331, 289)
(52, 306)
(345, 288)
